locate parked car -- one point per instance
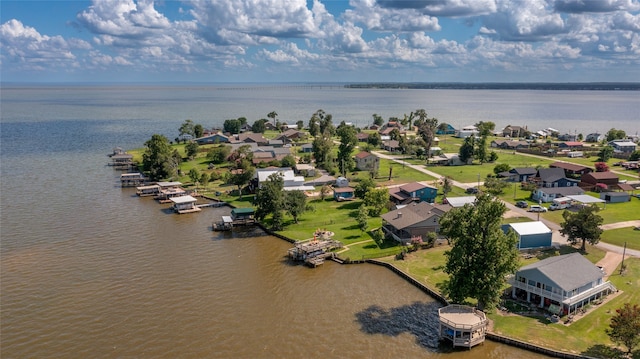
(471, 190)
(537, 208)
(522, 204)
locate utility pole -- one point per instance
(624, 250)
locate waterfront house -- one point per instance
(362, 136)
(412, 192)
(568, 137)
(623, 146)
(571, 169)
(249, 137)
(413, 220)
(550, 284)
(548, 194)
(366, 161)
(509, 144)
(343, 193)
(554, 177)
(291, 181)
(391, 146)
(290, 135)
(530, 234)
(519, 174)
(448, 130)
(594, 137)
(514, 131)
(184, 204)
(212, 138)
(592, 179)
(467, 131)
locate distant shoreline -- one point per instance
(567, 86)
(570, 86)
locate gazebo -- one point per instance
(464, 326)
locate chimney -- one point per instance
(399, 215)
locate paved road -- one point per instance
(557, 238)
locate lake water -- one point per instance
(90, 270)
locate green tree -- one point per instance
(363, 186)
(272, 115)
(485, 128)
(300, 124)
(295, 204)
(481, 254)
(157, 158)
(191, 148)
(493, 156)
(495, 186)
(614, 134)
(583, 225)
(288, 161)
(362, 218)
(605, 153)
(635, 156)
(270, 200)
(467, 149)
(324, 192)
(625, 326)
(242, 174)
(501, 167)
(198, 130)
(348, 142)
(321, 146)
(259, 126)
(187, 128)
(377, 119)
(218, 154)
(481, 149)
(194, 175)
(376, 200)
(314, 126)
(374, 139)
(426, 128)
(204, 179)
(232, 126)
(446, 185)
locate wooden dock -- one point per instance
(314, 252)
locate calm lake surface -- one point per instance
(90, 270)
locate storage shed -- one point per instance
(615, 197)
(530, 234)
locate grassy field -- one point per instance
(614, 212)
(621, 236)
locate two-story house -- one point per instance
(414, 220)
(549, 284)
(366, 161)
(413, 192)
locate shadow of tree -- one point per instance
(603, 351)
(418, 319)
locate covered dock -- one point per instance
(464, 326)
(132, 179)
(184, 204)
(314, 252)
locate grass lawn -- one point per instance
(614, 212)
(620, 236)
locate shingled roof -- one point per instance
(556, 270)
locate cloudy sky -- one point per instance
(320, 40)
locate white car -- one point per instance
(537, 208)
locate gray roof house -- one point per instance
(561, 284)
(548, 194)
(625, 146)
(413, 220)
(554, 177)
(519, 174)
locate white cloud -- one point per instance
(448, 8)
(379, 18)
(595, 6)
(530, 20)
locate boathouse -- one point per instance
(464, 326)
(131, 179)
(169, 190)
(144, 191)
(242, 216)
(121, 160)
(184, 204)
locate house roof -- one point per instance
(183, 199)
(562, 191)
(392, 143)
(555, 269)
(343, 190)
(413, 213)
(461, 201)
(569, 166)
(363, 154)
(551, 174)
(412, 187)
(573, 143)
(528, 228)
(524, 170)
(586, 199)
(602, 175)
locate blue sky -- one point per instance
(320, 41)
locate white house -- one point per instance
(291, 181)
(467, 131)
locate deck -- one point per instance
(314, 252)
(464, 326)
